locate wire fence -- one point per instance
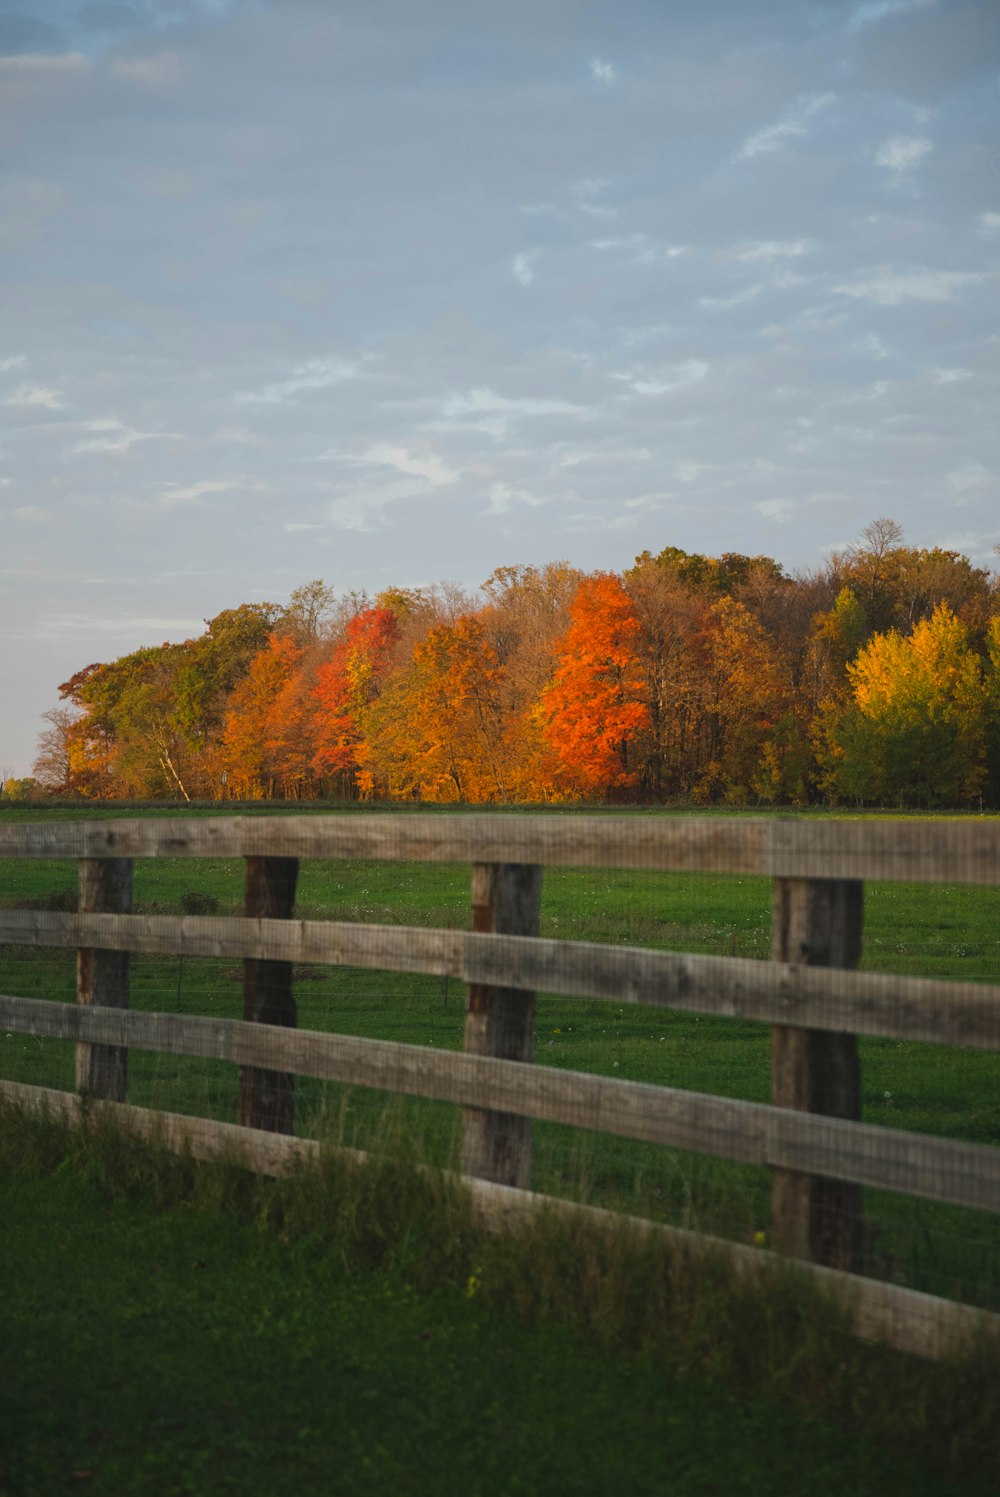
(715, 1174)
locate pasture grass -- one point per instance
(917, 929)
(177, 1328)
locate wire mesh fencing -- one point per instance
(653, 1087)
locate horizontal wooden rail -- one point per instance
(936, 1011)
(964, 852)
(920, 1324)
(938, 1169)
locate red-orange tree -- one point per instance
(597, 704)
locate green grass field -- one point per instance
(184, 1331)
(391, 1349)
(916, 929)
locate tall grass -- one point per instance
(775, 1338)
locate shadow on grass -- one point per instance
(775, 1338)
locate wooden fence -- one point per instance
(810, 1136)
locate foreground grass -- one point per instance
(173, 1329)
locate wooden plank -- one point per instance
(267, 1097)
(817, 923)
(620, 841)
(909, 1321)
(906, 1319)
(931, 1010)
(500, 1021)
(963, 852)
(959, 1173)
(102, 976)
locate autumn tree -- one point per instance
(437, 730)
(128, 739)
(525, 615)
(310, 613)
(598, 703)
(52, 768)
(757, 751)
(915, 723)
(347, 686)
(261, 739)
(897, 585)
(992, 681)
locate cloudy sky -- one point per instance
(392, 291)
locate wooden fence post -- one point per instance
(816, 922)
(102, 976)
(506, 899)
(267, 1098)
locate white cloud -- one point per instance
(127, 629)
(35, 395)
(738, 298)
(175, 493)
(29, 512)
(989, 224)
(626, 241)
(890, 288)
(968, 483)
(668, 379)
(427, 466)
(238, 435)
(502, 496)
(586, 190)
(951, 376)
(118, 437)
(483, 399)
(901, 154)
(314, 374)
(772, 249)
(157, 70)
(42, 62)
(762, 142)
(872, 11)
(603, 71)
(357, 506)
(644, 251)
(872, 344)
(588, 187)
(775, 509)
(522, 268)
(18, 361)
(687, 471)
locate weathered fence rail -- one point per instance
(810, 1135)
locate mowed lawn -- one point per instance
(182, 1353)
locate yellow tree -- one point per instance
(437, 731)
(915, 724)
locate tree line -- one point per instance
(874, 679)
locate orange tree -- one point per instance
(597, 707)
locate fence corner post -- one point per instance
(267, 1098)
(500, 1022)
(817, 922)
(102, 976)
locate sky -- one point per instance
(388, 292)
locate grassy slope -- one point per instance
(313, 1377)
